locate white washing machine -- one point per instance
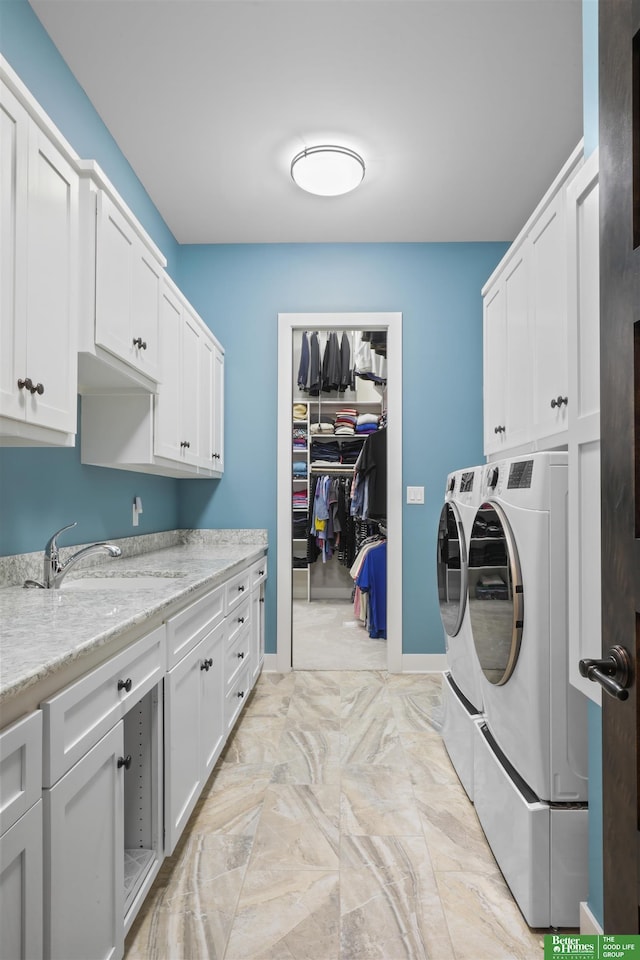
(530, 756)
(461, 692)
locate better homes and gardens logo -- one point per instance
(571, 947)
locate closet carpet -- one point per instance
(334, 828)
(326, 636)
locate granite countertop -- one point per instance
(42, 631)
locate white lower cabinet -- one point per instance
(194, 729)
(84, 874)
(21, 849)
(21, 888)
(97, 785)
(102, 802)
(258, 583)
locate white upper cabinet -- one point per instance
(548, 289)
(120, 305)
(176, 431)
(526, 392)
(39, 271)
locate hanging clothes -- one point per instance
(369, 571)
(303, 368)
(313, 382)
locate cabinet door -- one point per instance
(128, 281)
(257, 631)
(145, 312)
(115, 241)
(52, 271)
(14, 136)
(549, 320)
(167, 400)
(84, 878)
(207, 459)
(218, 410)
(21, 888)
(212, 698)
(495, 362)
(182, 764)
(583, 301)
(190, 396)
(518, 362)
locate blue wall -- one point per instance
(241, 289)
(41, 490)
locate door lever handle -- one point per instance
(613, 674)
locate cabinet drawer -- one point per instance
(237, 654)
(258, 572)
(189, 627)
(77, 717)
(238, 589)
(236, 697)
(238, 620)
(20, 768)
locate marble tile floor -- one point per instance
(334, 828)
(326, 636)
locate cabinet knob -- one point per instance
(125, 684)
(139, 342)
(185, 443)
(558, 401)
(39, 389)
(241, 655)
(124, 762)
(27, 382)
(206, 664)
(241, 589)
(261, 599)
(240, 619)
(499, 429)
(215, 456)
(240, 694)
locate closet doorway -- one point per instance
(314, 605)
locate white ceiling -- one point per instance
(464, 110)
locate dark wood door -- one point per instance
(619, 81)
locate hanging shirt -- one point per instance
(372, 579)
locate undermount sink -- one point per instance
(130, 583)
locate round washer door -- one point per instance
(452, 569)
(496, 600)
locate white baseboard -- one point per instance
(411, 663)
(588, 923)
(424, 662)
(270, 664)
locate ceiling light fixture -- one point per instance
(327, 170)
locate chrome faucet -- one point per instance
(54, 571)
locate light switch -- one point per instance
(415, 494)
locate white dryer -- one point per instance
(454, 529)
(530, 756)
(461, 693)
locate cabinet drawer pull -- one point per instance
(124, 762)
(241, 656)
(185, 443)
(139, 342)
(241, 589)
(241, 619)
(261, 599)
(240, 694)
(32, 387)
(558, 401)
(206, 664)
(261, 573)
(499, 429)
(125, 684)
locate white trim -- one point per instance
(270, 664)
(424, 662)
(287, 323)
(589, 926)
